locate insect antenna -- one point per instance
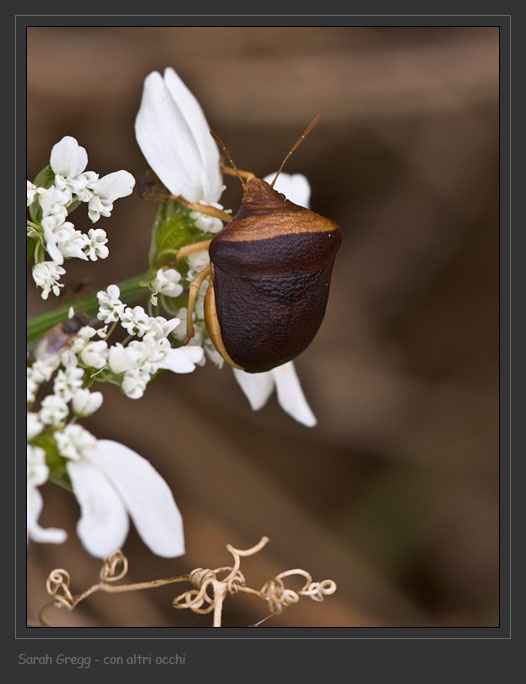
(229, 157)
(295, 146)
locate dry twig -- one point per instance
(209, 590)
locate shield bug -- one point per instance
(269, 274)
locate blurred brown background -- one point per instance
(394, 494)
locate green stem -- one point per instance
(110, 331)
(167, 306)
(31, 244)
(39, 252)
(130, 289)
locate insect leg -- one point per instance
(183, 252)
(151, 189)
(231, 172)
(202, 208)
(194, 289)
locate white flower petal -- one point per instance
(146, 495)
(51, 248)
(166, 141)
(295, 187)
(181, 360)
(195, 118)
(68, 158)
(51, 535)
(95, 354)
(85, 402)
(115, 185)
(113, 291)
(256, 386)
(122, 359)
(34, 425)
(290, 395)
(103, 524)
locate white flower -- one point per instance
(96, 246)
(197, 261)
(46, 275)
(37, 470)
(32, 387)
(68, 381)
(81, 340)
(37, 474)
(295, 187)
(166, 282)
(82, 186)
(95, 354)
(110, 306)
(34, 425)
(134, 383)
(31, 192)
(68, 160)
(200, 336)
(160, 327)
(74, 442)
(154, 354)
(112, 482)
(57, 229)
(175, 139)
(122, 359)
(85, 403)
(148, 353)
(73, 245)
(181, 360)
(51, 535)
(141, 359)
(43, 369)
(53, 202)
(208, 224)
(136, 321)
(106, 190)
(53, 410)
(258, 388)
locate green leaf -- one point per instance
(55, 462)
(61, 478)
(44, 179)
(173, 227)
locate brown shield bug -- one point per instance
(270, 271)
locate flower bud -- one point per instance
(85, 402)
(95, 354)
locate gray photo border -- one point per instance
(224, 643)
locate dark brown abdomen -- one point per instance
(267, 316)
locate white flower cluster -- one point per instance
(136, 363)
(73, 441)
(166, 282)
(109, 480)
(72, 184)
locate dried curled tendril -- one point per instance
(210, 586)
